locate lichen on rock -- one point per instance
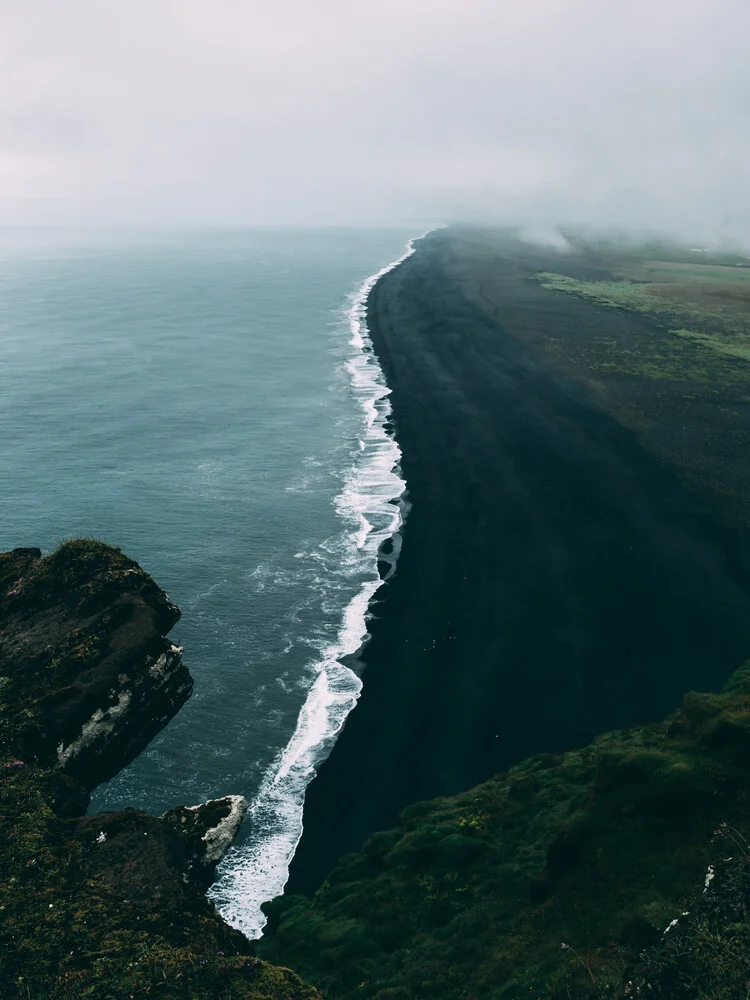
(207, 831)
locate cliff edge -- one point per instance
(110, 905)
(615, 871)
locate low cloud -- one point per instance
(162, 112)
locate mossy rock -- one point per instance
(103, 907)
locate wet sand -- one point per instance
(557, 579)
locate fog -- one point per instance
(405, 112)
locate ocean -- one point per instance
(210, 403)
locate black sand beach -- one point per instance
(558, 577)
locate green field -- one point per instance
(708, 305)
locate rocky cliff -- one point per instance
(109, 905)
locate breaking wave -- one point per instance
(372, 507)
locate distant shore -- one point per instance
(557, 579)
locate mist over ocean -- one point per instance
(202, 401)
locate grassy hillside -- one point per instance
(555, 879)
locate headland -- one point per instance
(113, 904)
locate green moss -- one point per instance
(474, 896)
(64, 938)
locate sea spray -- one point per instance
(372, 507)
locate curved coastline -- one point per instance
(553, 577)
(372, 508)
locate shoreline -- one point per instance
(552, 580)
(371, 508)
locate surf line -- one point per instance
(373, 508)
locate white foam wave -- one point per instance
(372, 507)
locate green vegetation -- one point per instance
(733, 348)
(619, 294)
(714, 299)
(704, 954)
(555, 880)
(65, 936)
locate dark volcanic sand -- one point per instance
(556, 580)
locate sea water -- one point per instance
(210, 402)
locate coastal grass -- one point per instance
(711, 302)
(739, 348)
(714, 315)
(556, 879)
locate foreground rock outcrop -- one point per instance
(89, 674)
(207, 832)
(110, 905)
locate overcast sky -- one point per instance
(215, 112)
